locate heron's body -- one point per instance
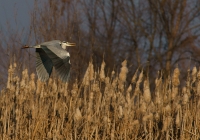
(53, 53)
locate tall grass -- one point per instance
(101, 107)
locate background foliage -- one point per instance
(154, 34)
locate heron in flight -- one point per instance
(52, 54)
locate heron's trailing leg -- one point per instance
(26, 46)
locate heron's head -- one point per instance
(65, 44)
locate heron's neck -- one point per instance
(36, 46)
(63, 46)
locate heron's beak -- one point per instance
(71, 44)
(25, 46)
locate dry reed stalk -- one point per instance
(194, 74)
(128, 100)
(178, 120)
(133, 80)
(123, 72)
(129, 89)
(114, 83)
(113, 74)
(137, 88)
(147, 93)
(102, 71)
(9, 76)
(86, 78)
(143, 106)
(185, 98)
(175, 83)
(166, 123)
(167, 91)
(120, 115)
(90, 103)
(66, 89)
(123, 75)
(151, 108)
(39, 86)
(158, 90)
(188, 79)
(13, 79)
(112, 135)
(17, 88)
(167, 110)
(77, 115)
(137, 91)
(60, 86)
(146, 118)
(54, 87)
(198, 84)
(91, 71)
(98, 102)
(24, 80)
(32, 86)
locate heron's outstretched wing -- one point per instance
(60, 59)
(44, 65)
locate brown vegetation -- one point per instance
(102, 107)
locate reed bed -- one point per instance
(101, 107)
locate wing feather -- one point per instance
(60, 59)
(44, 65)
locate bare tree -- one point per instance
(162, 30)
(162, 33)
(177, 20)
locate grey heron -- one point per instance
(52, 54)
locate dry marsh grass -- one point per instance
(101, 107)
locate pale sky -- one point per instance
(15, 13)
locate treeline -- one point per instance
(151, 34)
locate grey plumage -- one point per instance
(52, 53)
(44, 65)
